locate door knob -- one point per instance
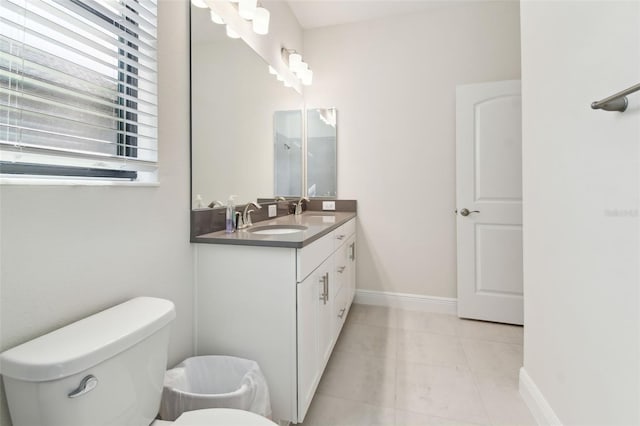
(466, 212)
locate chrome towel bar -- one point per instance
(617, 102)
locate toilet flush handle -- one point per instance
(86, 385)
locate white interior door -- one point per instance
(489, 201)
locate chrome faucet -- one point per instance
(215, 203)
(299, 204)
(245, 219)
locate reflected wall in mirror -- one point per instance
(288, 148)
(321, 152)
(233, 101)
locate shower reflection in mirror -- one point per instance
(316, 171)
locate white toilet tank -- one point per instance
(106, 369)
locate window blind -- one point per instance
(78, 88)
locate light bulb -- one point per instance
(279, 77)
(231, 33)
(295, 59)
(272, 70)
(199, 3)
(307, 78)
(287, 84)
(216, 19)
(247, 9)
(261, 21)
(302, 68)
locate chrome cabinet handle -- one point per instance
(341, 269)
(352, 256)
(327, 290)
(342, 311)
(87, 384)
(340, 237)
(466, 212)
(323, 295)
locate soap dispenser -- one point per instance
(199, 203)
(230, 215)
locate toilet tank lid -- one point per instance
(87, 342)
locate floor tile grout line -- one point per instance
(477, 386)
(457, 333)
(353, 400)
(392, 333)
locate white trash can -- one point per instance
(214, 382)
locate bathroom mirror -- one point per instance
(322, 133)
(318, 174)
(233, 102)
(288, 149)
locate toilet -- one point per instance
(104, 370)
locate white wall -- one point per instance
(67, 252)
(393, 83)
(581, 190)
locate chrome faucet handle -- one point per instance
(280, 198)
(247, 219)
(246, 214)
(299, 205)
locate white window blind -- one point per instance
(78, 88)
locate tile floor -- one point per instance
(408, 368)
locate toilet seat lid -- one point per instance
(221, 416)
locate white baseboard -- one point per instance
(414, 302)
(540, 408)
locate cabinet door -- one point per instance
(309, 293)
(326, 327)
(315, 332)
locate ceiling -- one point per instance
(324, 13)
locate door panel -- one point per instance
(498, 149)
(489, 187)
(498, 265)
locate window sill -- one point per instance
(73, 182)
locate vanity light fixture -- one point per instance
(199, 3)
(295, 63)
(215, 18)
(231, 32)
(249, 10)
(307, 77)
(328, 116)
(261, 21)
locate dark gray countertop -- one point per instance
(318, 224)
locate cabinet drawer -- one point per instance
(311, 256)
(344, 232)
(340, 309)
(341, 265)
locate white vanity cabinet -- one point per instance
(315, 334)
(282, 307)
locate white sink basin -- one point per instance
(277, 229)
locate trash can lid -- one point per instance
(221, 416)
